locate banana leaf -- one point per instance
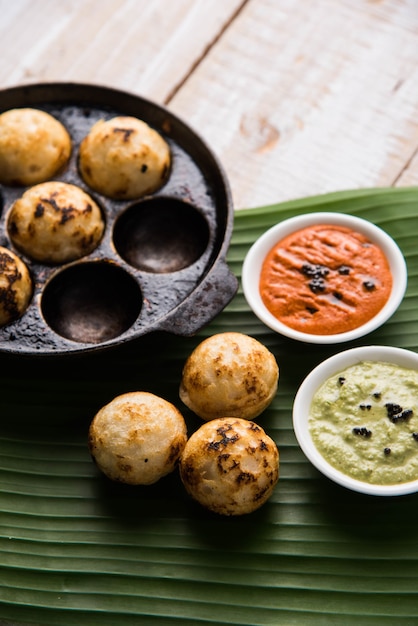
(78, 549)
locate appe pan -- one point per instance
(161, 265)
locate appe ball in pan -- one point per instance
(124, 158)
(55, 222)
(34, 146)
(137, 438)
(229, 374)
(230, 466)
(15, 287)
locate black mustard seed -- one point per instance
(393, 409)
(315, 271)
(317, 285)
(362, 432)
(369, 285)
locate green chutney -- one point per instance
(364, 422)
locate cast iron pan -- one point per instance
(161, 263)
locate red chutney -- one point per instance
(325, 279)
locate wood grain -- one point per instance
(148, 48)
(295, 98)
(310, 97)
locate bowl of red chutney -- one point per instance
(324, 277)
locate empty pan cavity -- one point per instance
(91, 302)
(161, 235)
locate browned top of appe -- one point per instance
(34, 146)
(124, 158)
(55, 222)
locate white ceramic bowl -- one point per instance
(254, 259)
(302, 403)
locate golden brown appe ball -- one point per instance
(34, 146)
(229, 374)
(15, 286)
(55, 222)
(124, 158)
(230, 466)
(137, 438)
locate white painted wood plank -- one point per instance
(296, 97)
(145, 47)
(306, 97)
(409, 175)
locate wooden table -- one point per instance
(296, 97)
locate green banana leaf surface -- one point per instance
(78, 549)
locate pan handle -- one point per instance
(210, 297)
